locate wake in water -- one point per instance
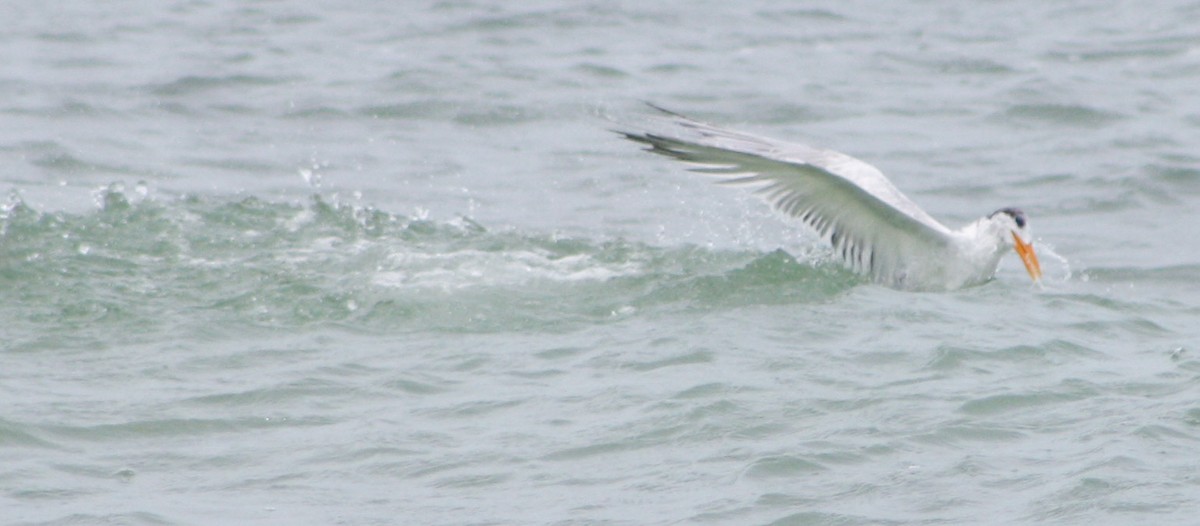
(141, 265)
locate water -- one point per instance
(277, 263)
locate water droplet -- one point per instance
(624, 311)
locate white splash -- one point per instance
(1048, 250)
(474, 268)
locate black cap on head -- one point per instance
(1016, 213)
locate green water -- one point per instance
(269, 355)
(386, 263)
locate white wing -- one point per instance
(873, 227)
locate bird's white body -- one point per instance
(872, 226)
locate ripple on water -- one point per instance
(782, 466)
(992, 405)
(1074, 115)
(16, 435)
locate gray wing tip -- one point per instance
(662, 145)
(665, 111)
(665, 143)
(648, 139)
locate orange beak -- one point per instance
(1025, 250)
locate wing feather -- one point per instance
(872, 227)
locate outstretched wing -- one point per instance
(873, 227)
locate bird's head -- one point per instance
(1013, 229)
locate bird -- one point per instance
(873, 228)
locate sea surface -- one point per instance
(368, 263)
